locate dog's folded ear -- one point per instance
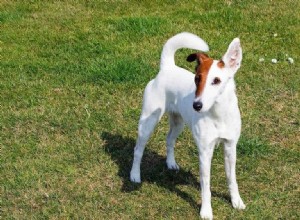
(200, 57)
(192, 57)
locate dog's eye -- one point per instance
(216, 81)
(197, 80)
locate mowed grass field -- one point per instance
(72, 75)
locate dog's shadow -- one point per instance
(153, 168)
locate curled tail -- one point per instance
(181, 40)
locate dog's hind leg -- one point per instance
(147, 124)
(176, 127)
(230, 162)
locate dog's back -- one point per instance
(173, 83)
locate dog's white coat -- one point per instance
(219, 121)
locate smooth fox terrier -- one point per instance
(206, 102)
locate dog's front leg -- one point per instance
(230, 162)
(205, 156)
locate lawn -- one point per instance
(72, 75)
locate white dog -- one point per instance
(206, 102)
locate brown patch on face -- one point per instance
(204, 64)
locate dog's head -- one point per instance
(211, 76)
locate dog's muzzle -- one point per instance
(197, 106)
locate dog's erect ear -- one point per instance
(192, 57)
(233, 56)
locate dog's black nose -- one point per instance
(197, 106)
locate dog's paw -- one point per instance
(238, 203)
(135, 177)
(172, 165)
(206, 213)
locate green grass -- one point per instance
(72, 75)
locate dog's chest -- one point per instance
(226, 123)
(222, 129)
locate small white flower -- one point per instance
(274, 60)
(291, 60)
(261, 59)
(275, 35)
